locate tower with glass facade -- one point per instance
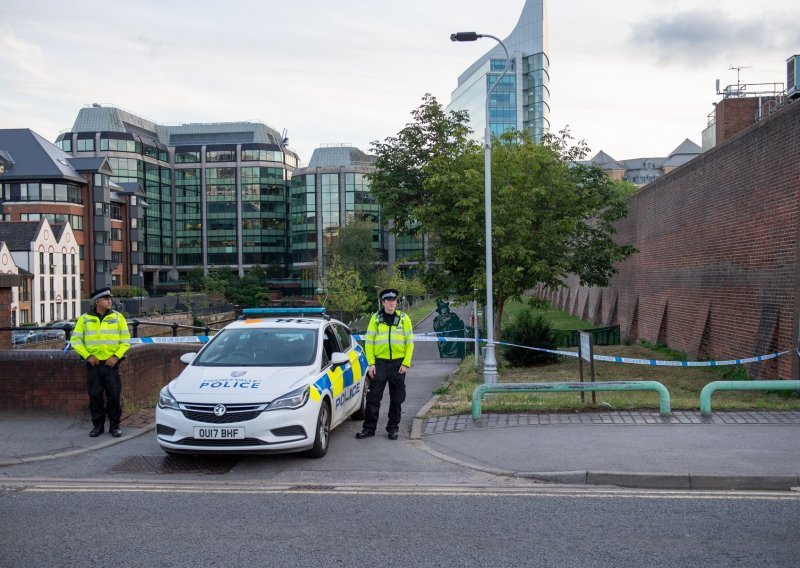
(332, 191)
(216, 193)
(521, 100)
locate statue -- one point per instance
(447, 324)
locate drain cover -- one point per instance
(175, 464)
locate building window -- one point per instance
(41, 263)
(85, 145)
(116, 212)
(41, 313)
(52, 262)
(221, 155)
(66, 290)
(116, 234)
(52, 288)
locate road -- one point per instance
(211, 524)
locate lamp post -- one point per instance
(490, 360)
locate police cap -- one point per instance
(388, 294)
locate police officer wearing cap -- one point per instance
(101, 337)
(388, 345)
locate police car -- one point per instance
(277, 381)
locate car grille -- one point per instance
(296, 430)
(222, 443)
(233, 412)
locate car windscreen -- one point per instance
(259, 347)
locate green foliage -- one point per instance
(354, 250)
(129, 292)
(408, 286)
(533, 330)
(343, 291)
(195, 279)
(666, 350)
(551, 216)
(733, 373)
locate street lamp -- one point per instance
(490, 360)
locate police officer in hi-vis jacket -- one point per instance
(388, 345)
(101, 337)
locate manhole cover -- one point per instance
(175, 464)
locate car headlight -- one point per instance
(294, 399)
(166, 400)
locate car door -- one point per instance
(354, 371)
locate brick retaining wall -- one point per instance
(50, 380)
(716, 275)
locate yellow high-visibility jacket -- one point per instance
(101, 338)
(384, 341)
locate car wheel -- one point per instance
(323, 432)
(361, 411)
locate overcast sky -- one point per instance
(632, 77)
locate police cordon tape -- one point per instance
(434, 339)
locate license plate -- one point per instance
(218, 433)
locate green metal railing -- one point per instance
(663, 393)
(714, 386)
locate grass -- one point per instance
(683, 383)
(558, 319)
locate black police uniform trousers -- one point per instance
(100, 381)
(386, 371)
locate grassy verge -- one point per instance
(557, 318)
(683, 383)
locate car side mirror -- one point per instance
(188, 357)
(339, 358)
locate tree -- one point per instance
(343, 291)
(354, 250)
(551, 215)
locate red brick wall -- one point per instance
(50, 380)
(5, 317)
(716, 275)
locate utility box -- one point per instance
(793, 77)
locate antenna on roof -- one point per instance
(285, 137)
(738, 71)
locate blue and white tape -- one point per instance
(426, 338)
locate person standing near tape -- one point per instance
(101, 338)
(388, 345)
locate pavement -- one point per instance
(728, 451)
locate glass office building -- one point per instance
(332, 191)
(216, 193)
(521, 100)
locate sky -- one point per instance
(634, 78)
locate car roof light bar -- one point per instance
(254, 312)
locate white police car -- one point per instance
(278, 381)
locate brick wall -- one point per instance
(716, 275)
(50, 380)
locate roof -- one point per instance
(606, 162)
(18, 235)
(98, 118)
(340, 155)
(683, 153)
(91, 164)
(34, 158)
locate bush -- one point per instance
(532, 330)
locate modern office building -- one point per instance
(521, 100)
(216, 194)
(332, 191)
